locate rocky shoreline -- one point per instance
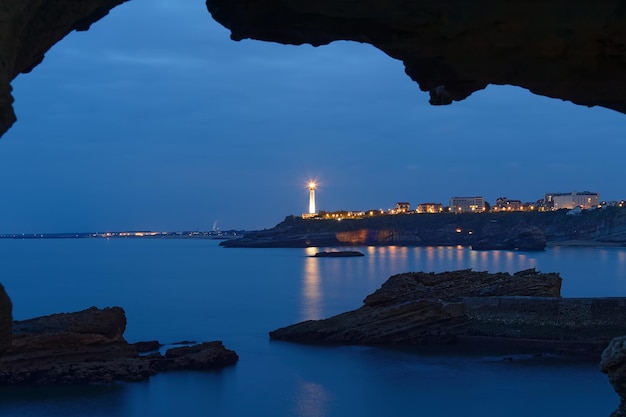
(522, 311)
(88, 347)
(525, 231)
(478, 311)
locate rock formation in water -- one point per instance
(613, 363)
(573, 50)
(28, 28)
(6, 320)
(522, 312)
(88, 347)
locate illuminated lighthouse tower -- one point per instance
(312, 198)
(312, 185)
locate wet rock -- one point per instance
(523, 312)
(613, 364)
(88, 347)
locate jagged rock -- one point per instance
(88, 346)
(523, 312)
(573, 50)
(28, 28)
(613, 363)
(6, 320)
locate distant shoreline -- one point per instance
(585, 243)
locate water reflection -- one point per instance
(311, 289)
(329, 283)
(312, 399)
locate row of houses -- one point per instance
(477, 204)
(552, 201)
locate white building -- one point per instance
(467, 205)
(584, 200)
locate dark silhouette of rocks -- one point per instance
(88, 347)
(573, 50)
(29, 28)
(338, 254)
(515, 230)
(529, 238)
(613, 363)
(522, 312)
(6, 320)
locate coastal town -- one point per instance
(573, 201)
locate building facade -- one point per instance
(467, 205)
(584, 200)
(504, 204)
(402, 207)
(429, 208)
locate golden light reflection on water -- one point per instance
(311, 290)
(397, 259)
(329, 282)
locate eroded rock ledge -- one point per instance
(573, 50)
(522, 312)
(88, 347)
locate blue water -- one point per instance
(176, 290)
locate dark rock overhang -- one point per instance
(28, 28)
(572, 50)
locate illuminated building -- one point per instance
(402, 207)
(312, 212)
(467, 205)
(584, 200)
(430, 208)
(312, 197)
(504, 204)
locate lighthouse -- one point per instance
(312, 197)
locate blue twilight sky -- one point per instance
(155, 119)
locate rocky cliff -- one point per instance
(517, 230)
(573, 50)
(88, 347)
(521, 312)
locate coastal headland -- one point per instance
(516, 230)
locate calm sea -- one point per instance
(175, 290)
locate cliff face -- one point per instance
(525, 231)
(573, 50)
(28, 28)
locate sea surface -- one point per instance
(174, 290)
